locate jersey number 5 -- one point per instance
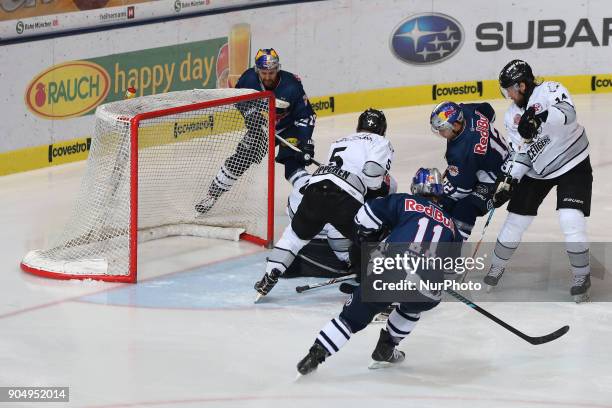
(335, 158)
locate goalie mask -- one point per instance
(372, 121)
(427, 182)
(267, 59)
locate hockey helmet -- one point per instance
(513, 73)
(427, 182)
(267, 59)
(444, 115)
(373, 121)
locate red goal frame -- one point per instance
(133, 240)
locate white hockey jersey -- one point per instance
(357, 163)
(561, 143)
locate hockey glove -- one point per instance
(265, 285)
(306, 154)
(530, 124)
(383, 191)
(504, 186)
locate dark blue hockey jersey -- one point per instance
(476, 155)
(409, 218)
(289, 89)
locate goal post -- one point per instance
(152, 160)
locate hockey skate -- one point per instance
(382, 317)
(580, 288)
(265, 285)
(316, 355)
(493, 276)
(205, 205)
(385, 354)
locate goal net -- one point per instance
(153, 159)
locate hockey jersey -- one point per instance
(357, 163)
(289, 89)
(476, 155)
(409, 218)
(561, 142)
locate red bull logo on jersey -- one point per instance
(435, 213)
(482, 127)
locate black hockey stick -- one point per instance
(533, 340)
(292, 147)
(331, 281)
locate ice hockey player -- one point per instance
(475, 153)
(551, 149)
(356, 164)
(406, 223)
(327, 254)
(295, 120)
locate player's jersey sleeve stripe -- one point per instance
(484, 177)
(502, 150)
(373, 169)
(458, 196)
(298, 175)
(568, 113)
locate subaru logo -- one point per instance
(426, 38)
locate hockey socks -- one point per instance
(334, 335)
(400, 324)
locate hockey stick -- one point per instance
(331, 281)
(484, 230)
(532, 340)
(294, 148)
(491, 212)
(320, 265)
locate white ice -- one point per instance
(188, 334)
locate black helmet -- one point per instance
(514, 72)
(373, 121)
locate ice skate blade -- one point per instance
(380, 318)
(582, 298)
(375, 365)
(258, 297)
(489, 288)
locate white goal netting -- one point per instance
(201, 165)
